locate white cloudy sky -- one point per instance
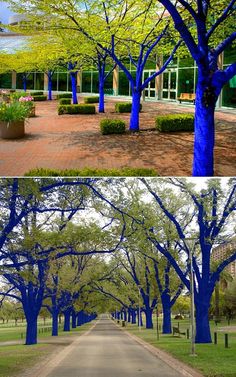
(4, 12)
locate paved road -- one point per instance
(108, 352)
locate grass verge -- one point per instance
(211, 360)
(16, 359)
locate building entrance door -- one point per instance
(169, 90)
(150, 91)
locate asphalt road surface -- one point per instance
(108, 352)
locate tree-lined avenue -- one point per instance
(106, 351)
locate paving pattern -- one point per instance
(74, 141)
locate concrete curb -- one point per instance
(175, 364)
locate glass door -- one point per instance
(169, 90)
(150, 91)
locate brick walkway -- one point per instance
(74, 141)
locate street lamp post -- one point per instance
(139, 309)
(157, 313)
(192, 319)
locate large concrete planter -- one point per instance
(13, 130)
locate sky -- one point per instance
(4, 12)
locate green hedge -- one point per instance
(124, 107)
(90, 172)
(112, 126)
(91, 99)
(76, 109)
(37, 94)
(65, 101)
(175, 122)
(39, 98)
(64, 95)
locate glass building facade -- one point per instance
(179, 77)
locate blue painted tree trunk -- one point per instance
(134, 117)
(24, 83)
(73, 76)
(67, 314)
(133, 316)
(101, 107)
(31, 329)
(129, 316)
(125, 315)
(166, 309)
(49, 86)
(203, 333)
(55, 322)
(204, 125)
(148, 315)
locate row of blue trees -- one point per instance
(147, 226)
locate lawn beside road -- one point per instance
(15, 359)
(211, 360)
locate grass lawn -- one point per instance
(14, 359)
(211, 360)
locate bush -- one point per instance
(76, 109)
(112, 126)
(39, 98)
(64, 95)
(175, 122)
(91, 99)
(124, 107)
(36, 94)
(90, 172)
(65, 101)
(16, 95)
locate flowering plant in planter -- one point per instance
(12, 119)
(28, 102)
(17, 95)
(13, 111)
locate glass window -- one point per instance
(186, 81)
(19, 81)
(30, 81)
(54, 81)
(6, 80)
(109, 81)
(123, 84)
(229, 93)
(86, 82)
(62, 82)
(39, 81)
(95, 88)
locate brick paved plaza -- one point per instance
(74, 141)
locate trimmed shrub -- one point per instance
(39, 98)
(65, 101)
(64, 95)
(91, 99)
(124, 107)
(175, 122)
(37, 93)
(112, 126)
(90, 172)
(76, 109)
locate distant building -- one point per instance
(223, 251)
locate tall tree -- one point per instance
(212, 211)
(207, 30)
